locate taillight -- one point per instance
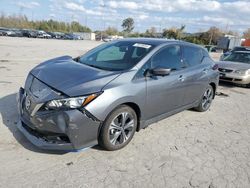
(215, 67)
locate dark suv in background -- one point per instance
(29, 33)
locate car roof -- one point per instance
(155, 41)
(244, 52)
(242, 47)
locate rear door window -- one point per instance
(168, 57)
(192, 55)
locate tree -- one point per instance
(246, 34)
(180, 31)
(174, 33)
(47, 25)
(193, 39)
(128, 25)
(214, 34)
(170, 33)
(151, 32)
(111, 31)
(135, 35)
(77, 27)
(234, 33)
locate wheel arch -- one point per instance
(137, 110)
(214, 87)
(132, 105)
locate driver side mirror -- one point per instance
(158, 72)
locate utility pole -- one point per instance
(211, 37)
(102, 5)
(86, 20)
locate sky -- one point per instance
(197, 15)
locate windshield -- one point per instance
(238, 57)
(116, 56)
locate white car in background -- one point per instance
(235, 68)
(43, 34)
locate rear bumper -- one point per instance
(57, 130)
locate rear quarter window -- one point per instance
(192, 55)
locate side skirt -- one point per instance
(146, 123)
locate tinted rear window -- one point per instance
(192, 55)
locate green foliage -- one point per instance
(170, 33)
(111, 31)
(128, 25)
(151, 32)
(210, 36)
(135, 35)
(22, 22)
(246, 34)
(174, 33)
(194, 39)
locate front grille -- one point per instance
(225, 70)
(226, 79)
(48, 137)
(238, 80)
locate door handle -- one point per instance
(205, 71)
(181, 78)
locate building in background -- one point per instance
(86, 36)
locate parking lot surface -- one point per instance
(190, 149)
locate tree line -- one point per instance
(22, 22)
(210, 36)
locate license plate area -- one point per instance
(222, 75)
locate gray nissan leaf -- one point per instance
(106, 95)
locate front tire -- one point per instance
(118, 129)
(206, 100)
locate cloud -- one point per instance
(74, 6)
(34, 4)
(196, 14)
(123, 4)
(142, 17)
(180, 5)
(77, 7)
(30, 5)
(52, 15)
(241, 6)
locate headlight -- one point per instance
(71, 103)
(243, 72)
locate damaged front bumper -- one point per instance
(55, 129)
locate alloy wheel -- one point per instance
(207, 98)
(121, 128)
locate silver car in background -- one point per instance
(114, 90)
(235, 68)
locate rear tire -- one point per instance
(118, 129)
(206, 100)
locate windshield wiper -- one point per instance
(93, 66)
(77, 59)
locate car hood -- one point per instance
(72, 78)
(233, 65)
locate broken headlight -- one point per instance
(71, 103)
